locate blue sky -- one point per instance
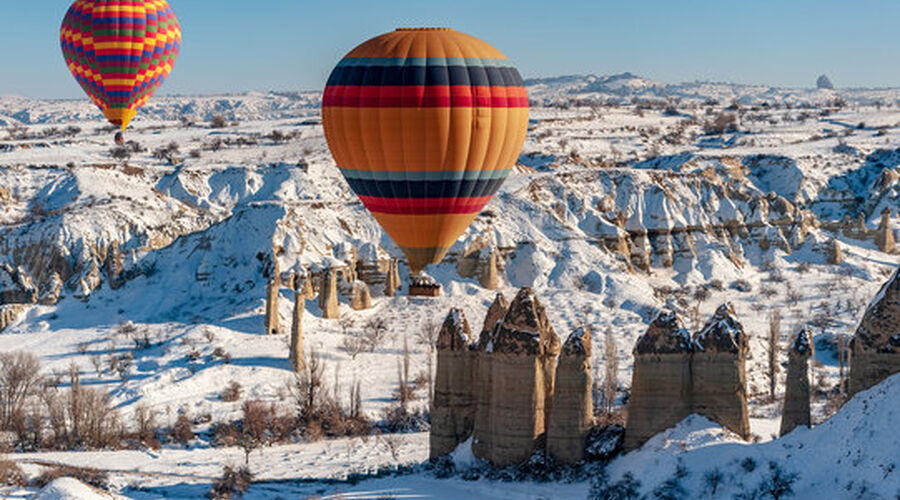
(235, 45)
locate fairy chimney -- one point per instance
(884, 235)
(876, 344)
(834, 252)
(483, 354)
(522, 380)
(298, 360)
(391, 282)
(273, 321)
(572, 412)
(328, 299)
(453, 406)
(489, 277)
(661, 379)
(796, 392)
(360, 299)
(718, 372)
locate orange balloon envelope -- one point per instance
(425, 124)
(120, 51)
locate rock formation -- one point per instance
(521, 380)
(391, 283)
(572, 411)
(273, 319)
(453, 406)
(9, 313)
(16, 286)
(297, 356)
(796, 392)
(328, 296)
(884, 235)
(308, 291)
(718, 372)
(661, 380)
(489, 277)
(834, 253)
(824, 83)
(876, 344)
(395, 270)
(482, 359)
(360, 298)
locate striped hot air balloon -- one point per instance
(425, 124)
(120, 51)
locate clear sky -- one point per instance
(236, 45)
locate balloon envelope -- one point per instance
(425, 124)
(120, 51)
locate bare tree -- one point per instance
(19, 376)
(427, 336)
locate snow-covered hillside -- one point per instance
(630, 196)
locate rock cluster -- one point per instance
(796, 392)
(676, 375)
(507, 389)
(9, 313)
(876, 344)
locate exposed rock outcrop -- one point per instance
(572, 411)
(661, 380)
(521, 380)
(718, 372)
(392, 282)
(273, 319)
(489, 277)
(834, 253)
(483, 353)
(796, 392)
(876, 344)
(297, 356)
(328, 296)
(16, 286)
(453, 406)
(884, 235)
(360, 298)
(9, 313)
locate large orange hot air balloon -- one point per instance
(425, 124)
(120, 51)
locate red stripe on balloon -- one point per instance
(425, 206)
(415, 96)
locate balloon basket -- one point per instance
(420, 286)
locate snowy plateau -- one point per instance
(145, 273)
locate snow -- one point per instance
(66, 488)
(197, 235)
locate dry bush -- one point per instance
(218, 121)
(722, 123)
(11, 474)
(182, 431)
(235, 481)
(93, 477)
(19, 377)
(232, 392)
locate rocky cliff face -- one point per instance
(483, 354)
(876, 344)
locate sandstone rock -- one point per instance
(360, 299)
(391, 283)
(572, 411)
(661, 380)
(483, 356)
(876, 344)
(16, 286)
(453, 406)
(521, 380)
(489, 277)
(328, 296)
(52, 291)
(884, 235)
(113, 265)
(273, 319)
(396, 274)
(307, 290)
(718, 372)
(372, 264)
(834, 254)
(796, 393)
(297, 356)
(9, 313)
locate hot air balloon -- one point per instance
(120, 51)
(425, 125)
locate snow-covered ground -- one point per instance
(604, 155)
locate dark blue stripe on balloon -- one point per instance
(425, 75)
(424, 189)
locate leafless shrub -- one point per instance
(724, 122)
(218, 121)
(182, 431)
(93, 477)
(772, 349)
(19, 377)
(167, 153)
(235, 481)
(610, 386)
(405, 391)
(232, 392)
(11, 474)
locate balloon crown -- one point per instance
(424, 29)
